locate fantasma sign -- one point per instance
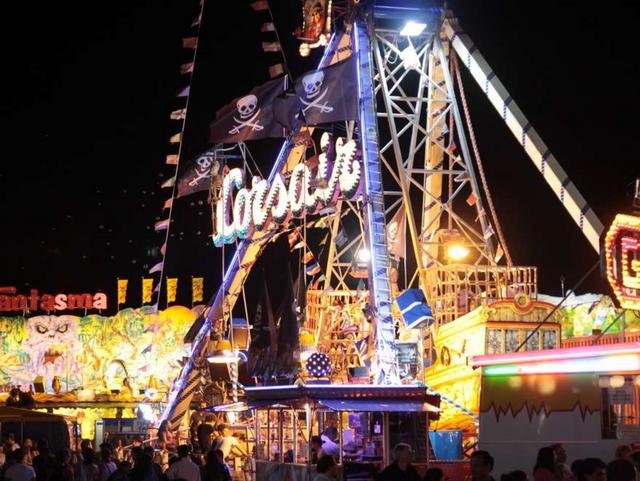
(338, 173)
(34, 301)
(622, 255)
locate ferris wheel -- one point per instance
(420, 179)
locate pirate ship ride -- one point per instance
(416, 274)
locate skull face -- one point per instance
(312, 83)
(247, 105)
(392, 232)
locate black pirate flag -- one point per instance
(199, 171)
(329, 94)
(249, 117)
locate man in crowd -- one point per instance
(184, 468)
(401, 469)
(20, 471)
(481, 466)
(227, 443)
(205, 432)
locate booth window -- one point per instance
(620, 407)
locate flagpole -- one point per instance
(173, 188)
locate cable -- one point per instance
(476, 153)
(557, 306)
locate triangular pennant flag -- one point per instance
(445, 129)
(169, 183)
(472, 199)
(172, 159)
(184, 92)
(271, 46)
(325, 239)
(341, 238)
(489, 232)
(179, 114)
(157, 288)
(452, 148)
(163, 249)
(260, 5)
(168, 203)
(268, 27)
(308, 257)
(190, 42)
(313, 268)
(156, 268)
(175, 139)
(276, 70)
(196, 21)
(499, 254)
(161, 225)
(186, 68)
(480, 214)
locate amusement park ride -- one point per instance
(411, 151)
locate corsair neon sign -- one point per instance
(257, 208)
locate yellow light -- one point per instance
(617, 381)
(457, 252)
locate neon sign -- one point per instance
(338, 173)
(622, 254)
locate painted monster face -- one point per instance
(49, 336)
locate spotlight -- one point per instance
(363, 255)
(411, 28)
(457, 252)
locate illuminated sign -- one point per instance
(12, 302)
(257, 208)
(622, 251)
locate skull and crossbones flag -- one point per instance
(329, 94)
(198, 173)
(250, 117)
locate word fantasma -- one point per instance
(49, 302)
(258, 207)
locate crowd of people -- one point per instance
(550, 465)
(36, 461)
(112, 462)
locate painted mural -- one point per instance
(95, 352)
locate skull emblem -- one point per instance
(392, 232)
(312, 83)
(247, 105)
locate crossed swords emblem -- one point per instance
(250, 122)
(324, 108)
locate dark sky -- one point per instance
(86, 128)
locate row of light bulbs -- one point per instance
(616, 381)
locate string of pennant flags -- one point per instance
(197, 290)
(270, 32)
(190, 44)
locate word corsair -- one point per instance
(338, 173)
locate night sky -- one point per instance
(85, 117)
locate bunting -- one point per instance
(472, 199)
(186, 68)
(499, 254)
(147, 290)
(190, 42)
(271, 46)
(168, 183)
(161, 225)
(176, 139)
(260, 5)
(184, 92)
(179, 114)
(168, 203)
(172, 159)
(268, 27)
(156, 268)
